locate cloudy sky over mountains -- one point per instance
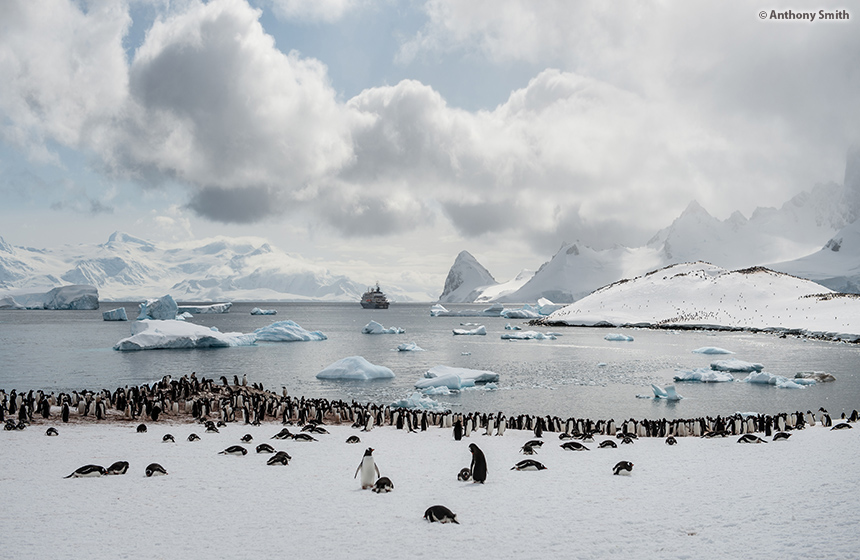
(388, 136)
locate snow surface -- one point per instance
(117, 314)
(354, 368)
(376, 328)
(701, 295)
(795, 499)
(153, 334)
(836, 265)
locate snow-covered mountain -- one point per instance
(836, 265)
(213, 269)
(466, 280)
(704, 295)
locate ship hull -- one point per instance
(374, 305)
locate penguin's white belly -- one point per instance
(368, 472)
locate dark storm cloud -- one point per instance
(236, 206)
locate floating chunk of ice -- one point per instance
(202, 309)
(409, 347)
(287, 331)
(526, 312)
(617, 337)
(527, 335)
(494, 310)
(258, 311)
(162, 309)
(416, 400)
(152, 334)
(711, 350)
(510, 327)
(455, 378)
(668, 393)
(117, 314)
(703, 375)
(481, 330)
(779, 381)
(354, 368)
(375, 328)
(738, 366)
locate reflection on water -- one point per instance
(579, 374)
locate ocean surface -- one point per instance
(579, 374)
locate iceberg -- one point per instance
(481, 330)
(454, 378)
(375, 328)
(494, 310)
(354, 368)
(702, 375)
(526, 312)
(510, 327)
(711, 350)
(117, 314)
(202, 309)
(72, 297)
(546, 307)
(762, 377)
(527, 335)
(818, 376)
(668, 393)
(409, 347)
(287, 331)
(737, 366)
(258, 311)
(155, 334)
(416, 400)
(162, 309)
(615, 337)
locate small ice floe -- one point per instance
(258, 311)
(117, 314)
(375, 328)
(454, 378)
(465, 353)
(510, 327)
(818, 376)
(287, 331)
(354, 368)
(184, 316)
(702, 375)
(442, 390)
(764, 378)
(205, 309)
(526, 312)
(618, 337)
(553, 333)
(494, 310)
(736, 366)
(668, 393)
(479, 330)
(418, 401)
(409, 347)
(711, 350)
(527, 335)
(602, 364)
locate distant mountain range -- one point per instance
(127, 268)
(782, 239)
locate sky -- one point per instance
(383, 137)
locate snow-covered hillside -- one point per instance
(836, 265)
(220, 268)
(704, 295)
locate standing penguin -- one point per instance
(458, 430)
(479, 464)
(369, 470)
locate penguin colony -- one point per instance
(204, 399)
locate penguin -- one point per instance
(671, 440)
(627, 440)
(528, 449)
(234, 450)
(750, 438)
(464, 475)
(120, 467)
(141, 428)
(88, 471)
(574, 446)
(247, 438)
(458, 430)
(193, 437)
(283, 434)
(279, 458)
(383, 484)
(212, 429)
(168, 439)
(265, 448)
(304, 437)
(367, 467)
(440, 514)
(65, 413)
(154, 469)
(607, 443)
(781, 436)
(479, 464)
(353, 439)
(841, 426)
(529, 465)
(623, 468)
(52, 432)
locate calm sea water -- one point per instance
(578, 374)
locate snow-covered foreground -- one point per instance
(702, 498)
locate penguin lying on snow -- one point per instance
(353, 439)
(671, 440)
(247, 438)
(573, 446)
(367, 467)
(841, 426)
(193, 437)
(265, 448)
(234, 450)
(607, 443)
(781, 436)
(120, 467)
(279, 458)
(440, 514)
(52, 432)
(750, 438)
(168, 439)
(383, 484)
(141, 428)
(623, 467)
(464, 475)
(283, 434)
(529, 465)
(154, 469)
(88, 471)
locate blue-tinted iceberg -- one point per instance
(376, 328)
(737, 366)
(409, 347)
(711, 350)
(258, 311)
(455, 378)
(354, 368)
(527, 335)
(616, 337)
(480, 330)
(526, 312)
(117, 314)
(510, 327)
(667, 393)
(702, 375)
(779, 381)
(72, 297)
(154, 334)
(161, 309)
(416, 400)
(287, 331)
